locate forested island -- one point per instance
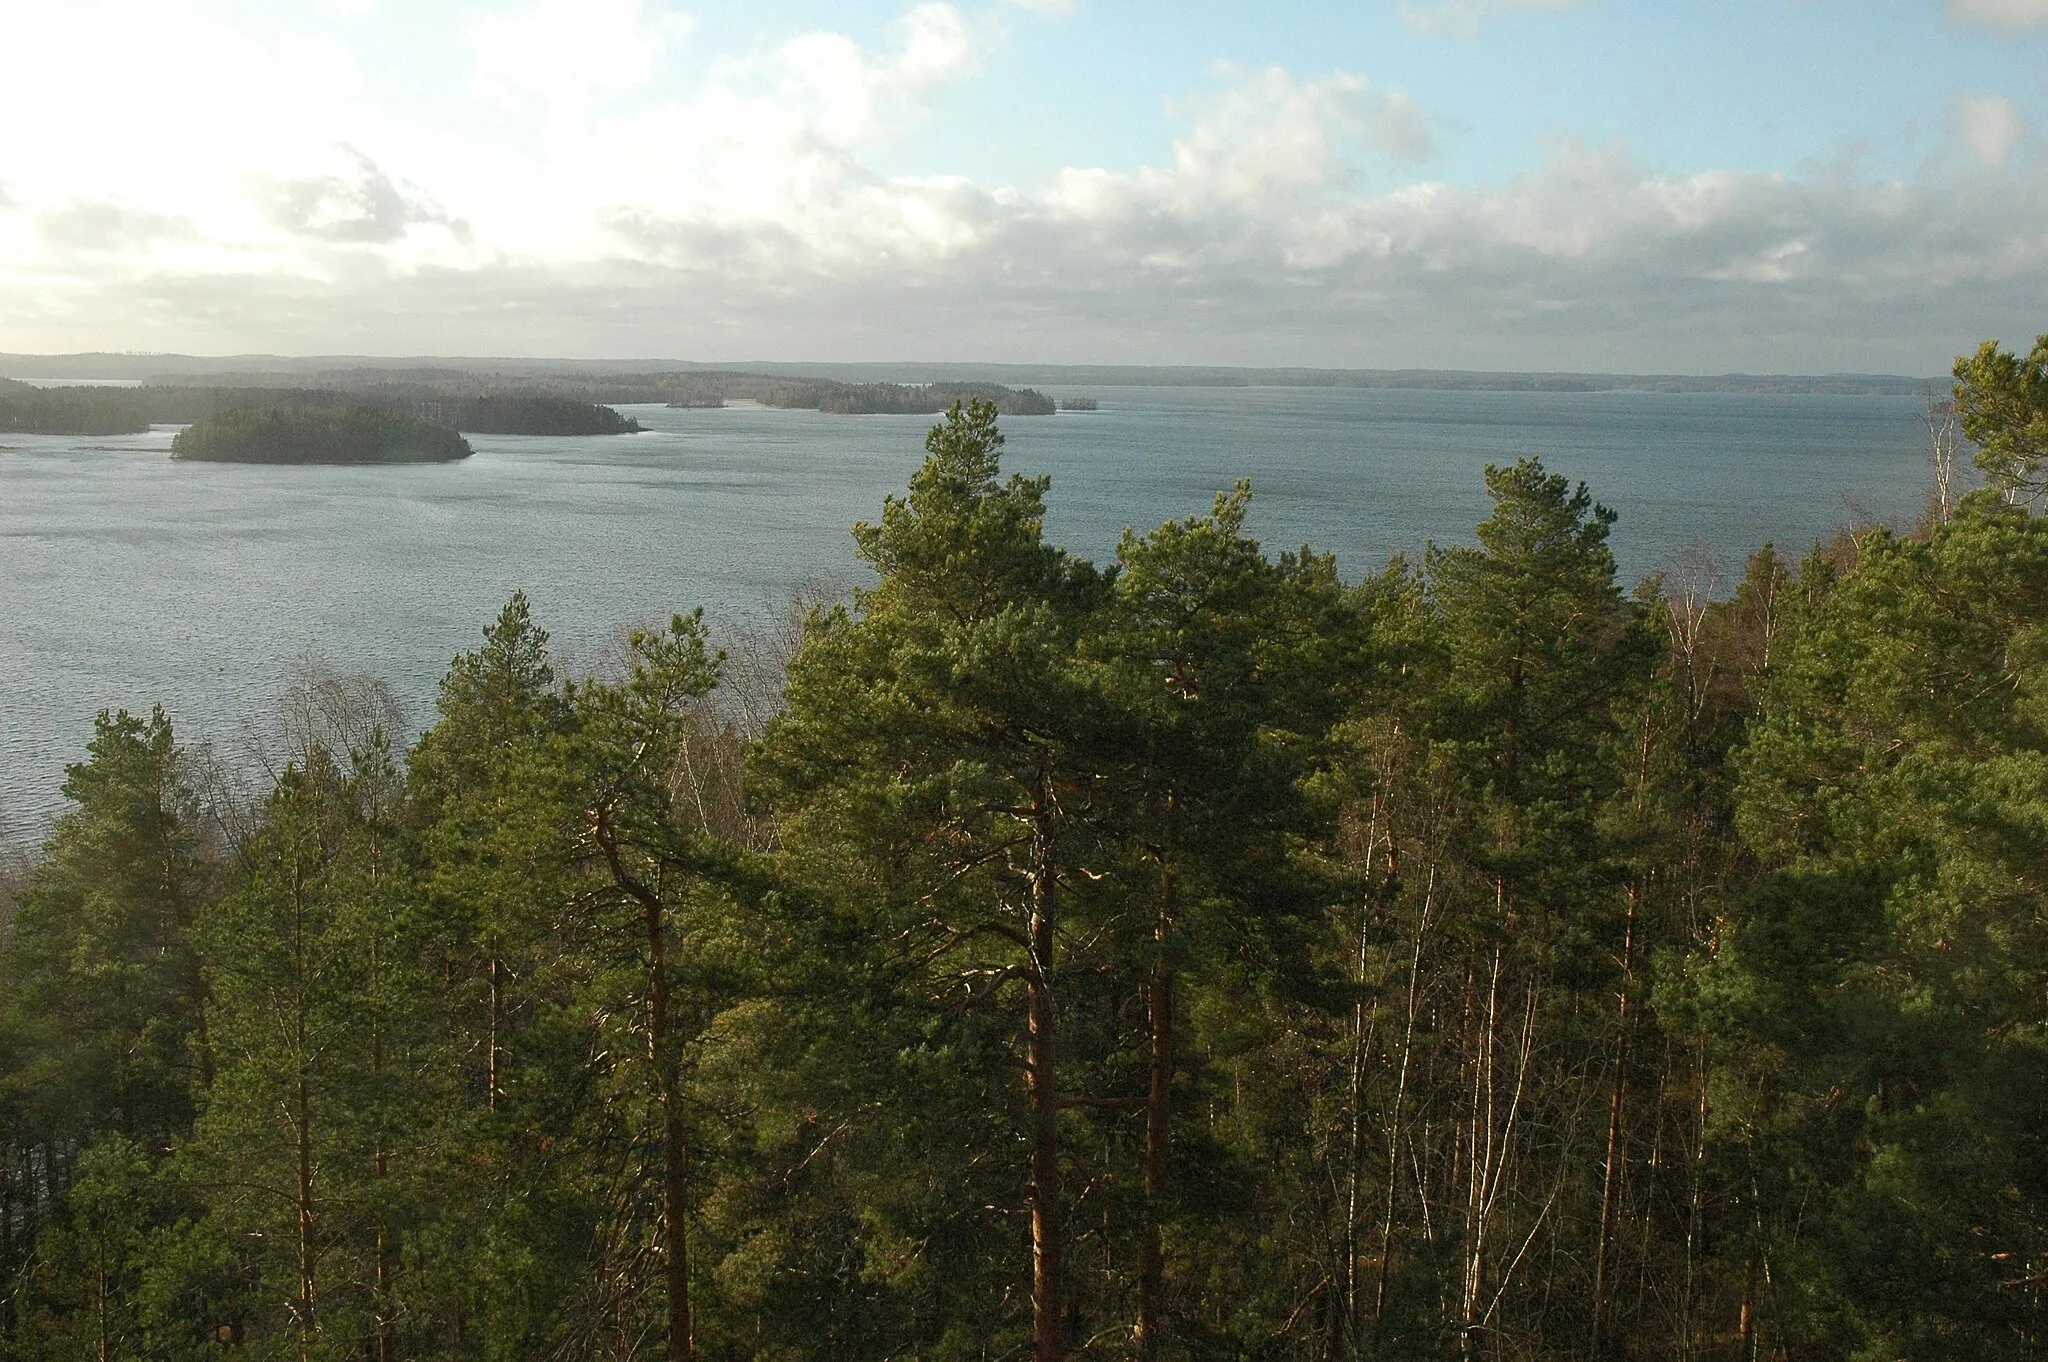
(1193, 956)
(326, 434)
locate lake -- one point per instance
(128, 580)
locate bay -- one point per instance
(128, 580)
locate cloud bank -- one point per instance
(2006, 14)
(738, 215)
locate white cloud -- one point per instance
(1266, 133)
(743, 215)
(1463, 17)
(109, 226)
(1398, 126)
(1990, 128)
(2011, 14)
(249, 107)
(1048, 6)
(850, 97)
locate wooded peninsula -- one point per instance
(1191, 956)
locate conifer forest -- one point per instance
(1192, 956)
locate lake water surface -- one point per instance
(128, 580)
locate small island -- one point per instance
(347, 435)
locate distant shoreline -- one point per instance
(170, 368)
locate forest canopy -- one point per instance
(318, 435)
(1190, 956)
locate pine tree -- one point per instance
(940, 743)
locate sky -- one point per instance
(1801, 186)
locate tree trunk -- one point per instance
(384, 1321)
(1696, 1196)
(99, 1278)
(682, 1346)
(675, 1170)
(181, 918)
(1480, 1169)
(203, 1039)
(1746, 1322)
(1617, 1098)
(304, 1132)
(1047, 1306)
(1158, 1119)
(493, 1075)
(1355, 1152)
(1379, 1304)
(302, 1123)
(8, 1196)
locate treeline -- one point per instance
(505, 414)
(856, 399)
(1195, 956)
(29, 410)
(130, 411)
(677, 388)
(352, 434)
(567, 404)
(926, 398)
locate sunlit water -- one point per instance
(128, 580)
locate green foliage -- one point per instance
(98, 978)
(1187, 957)
(1878, 998)
(2002, 404)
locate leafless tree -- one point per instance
(1944, 442)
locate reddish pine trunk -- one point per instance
(1746, 1322)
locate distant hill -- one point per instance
(311, 435)
(650, 376)
(424, 390)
